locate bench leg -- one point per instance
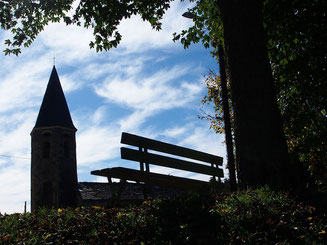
(120, 191)
(116, 194)
(148, 188)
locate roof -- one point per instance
(54, 109)
(131, 191)
(103, 191)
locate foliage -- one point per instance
(207, 26)
(214, 97)
(263, 217)
(297, 36)
(26, 19)
(257, 216)
(94, 225)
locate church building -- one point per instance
(53, 167)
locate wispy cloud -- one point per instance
(97, 144)
(174, 132)
(138, 36)
(149, 95)
(15, 186)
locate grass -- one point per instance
(257, 216)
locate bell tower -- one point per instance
(53, 167)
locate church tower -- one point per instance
(53, 168)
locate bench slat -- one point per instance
(139, 141)
(154, 178)
(134, 155)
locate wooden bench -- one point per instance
(209, 164)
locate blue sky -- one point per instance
(148, 86)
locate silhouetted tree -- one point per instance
(227, 120)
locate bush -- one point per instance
(257, 216)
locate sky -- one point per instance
(148, 86)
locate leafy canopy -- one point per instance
(26, 19)
(214, 98)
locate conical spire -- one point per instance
(54, 110)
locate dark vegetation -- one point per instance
(257, 216)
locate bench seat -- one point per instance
(153, 178)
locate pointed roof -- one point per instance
(54, 109)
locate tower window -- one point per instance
(46, 150)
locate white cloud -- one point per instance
(15, 160)
(98, 115)
(67, 43)
(138, 35)
(97, 144)
(149, 95)
(71, 43)
(21, 85)
(133, 122)
(174, 132)
(156, 92)
(15, 188)
(203, 139)
(68, 83)
(15, 133)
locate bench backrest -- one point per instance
(143, 156)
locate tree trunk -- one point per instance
(261, 147)
(227, 123)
